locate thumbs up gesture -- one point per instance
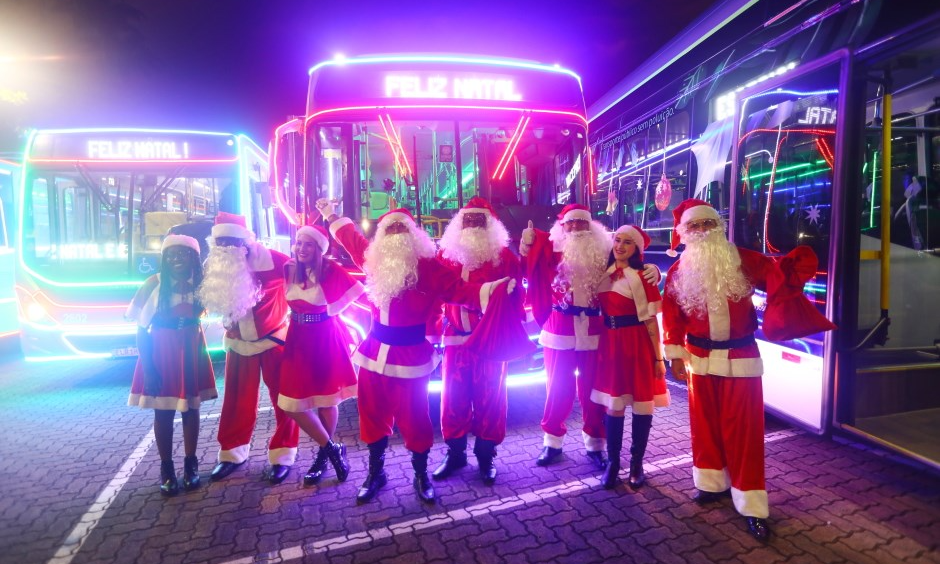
(528, 234)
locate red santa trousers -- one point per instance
(473, 398)
(560, 367)
(727, 419)
(385, 401)
(240, 408)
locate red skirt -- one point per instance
(316, 370)
(625, 374)
(186, 375)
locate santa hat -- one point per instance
(686, 211)
(639, 236)
(230, 225)
(396, 215)
(174, 240)
(318, 234)
(573, 212)
(478, 205)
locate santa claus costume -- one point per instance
(316, 372)
(709, 322)
(571, 325)
(254, 345)
(473, 398)
(405, 283)
(172, 348)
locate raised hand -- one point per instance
(528, 234)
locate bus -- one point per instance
(92, 210)
(805, 123)
(9, 178)
(429, 132)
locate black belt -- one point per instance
(577, 310)
(618, 321)
(405, 335)
(703, 343)
(308, 317)
(174, 322)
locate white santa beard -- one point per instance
(228, 286)
(391, 267)
(583, 264)
(709, 273)
(473, 246)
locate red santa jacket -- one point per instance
(330, 296)
(409, 312)
(735, 320)
(462, 320)
(560, 330)
(268, 318)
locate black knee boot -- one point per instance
(485, 452)
(641, 435)
(422, 484)
(376, 477)
(316, 470)
(614, 427)
(169, 485)
(454, 459)
(337, 455)
(190, 473)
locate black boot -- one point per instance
(641, 436)
(422, 484)
(191, 479)
(486, 451)
(454, 459)
(318, 467)
(611, 476)
(376, 478)
(169, 486)
(337, 454)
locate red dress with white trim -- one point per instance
(316, 370)
(626, 357)
(178, 350)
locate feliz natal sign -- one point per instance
(137, 150)
(450, 86)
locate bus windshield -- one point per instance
(92, 223)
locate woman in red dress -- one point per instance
(631, 370)
(173, 372)
(316, 373)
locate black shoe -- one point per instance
(423, 487)
(191, 479)
(277, 473)
(487, 470)
(637, 478)
(315, 472)
(758, 528)
(597, 458)
(611, 477)
(169, 486)
(452, 462)
(703, 497)
(549, 455)
(337, 455)
(374, 482)
(223, 469)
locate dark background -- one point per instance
(241, 65)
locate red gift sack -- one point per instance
(500, 335)
(789, 314)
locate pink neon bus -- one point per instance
(92, 209)
(430, 132)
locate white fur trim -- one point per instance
(338, 224)
(634, 235)
(396, 370)
(699, 212)
(294, 405)
(393, 217)
(321, 239)
(174, 240)
(718, 364)
(230, 230)
(593, 444)
(577, 342)
(673, 352)
(573, 215)
(171, 403)
(455, 340)
(552, 441)
(252, 348)
(751, 503)
(283, 456)
(259, 258)
(237, 455)
(714, 481)
(351, 295)
(477, 210)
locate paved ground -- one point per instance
(80, 477)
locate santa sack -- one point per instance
(500, 335)
(789, 314)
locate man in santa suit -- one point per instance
(405, 283)
(565, 268)
(244, 283)
(476, 246)
(709, 322)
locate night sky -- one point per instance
(240, 65)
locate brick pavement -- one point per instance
(67, 435)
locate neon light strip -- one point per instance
(393, 147)
(654, 155)
(319, 113)
(401, 147)
(445, 59)
(794, 130)
(289, 213)
(135, 161)
(826, 151)
(770, 195)
(46, 298)
(510, 151)
(245, 148)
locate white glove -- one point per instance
(326, 208)
(528, 234)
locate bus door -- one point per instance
(893, 394)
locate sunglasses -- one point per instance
(701, 224)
